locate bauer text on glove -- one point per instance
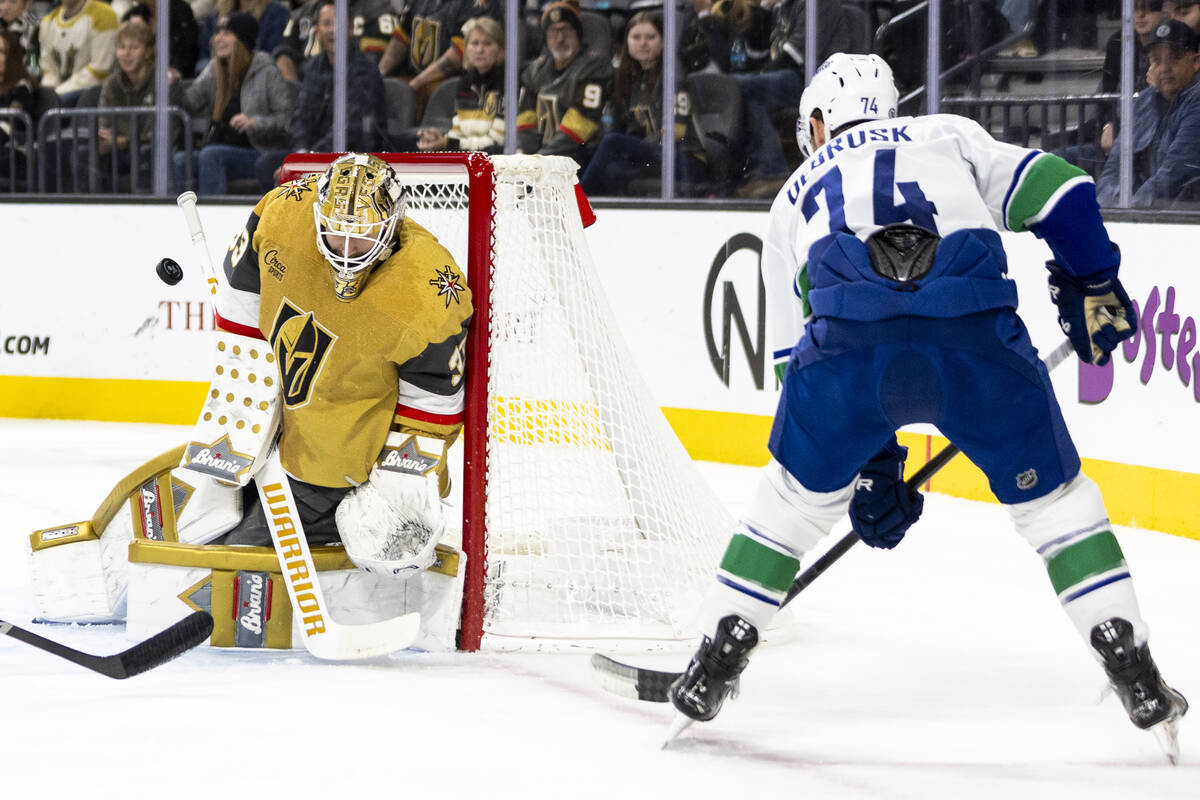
(883, 509)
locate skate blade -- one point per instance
(678, 726)
(1167, 734)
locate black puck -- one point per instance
(169, 270)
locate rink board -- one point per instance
(87, 331)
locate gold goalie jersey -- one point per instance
(349, 372)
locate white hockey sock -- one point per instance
(1071, 532)
(784, 521)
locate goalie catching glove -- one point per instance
(391, 524)
(883, 509)
(1095, 315)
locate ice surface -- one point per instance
(943, 669)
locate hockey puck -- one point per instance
(169, 270)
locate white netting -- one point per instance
(598, 524)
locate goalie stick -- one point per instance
(158, 649)
(641, 683)
(323, 637)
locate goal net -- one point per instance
(585, 523)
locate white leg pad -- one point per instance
(242, 588)
(1073, 513)
(79, 577)
(784, 517)
(792, 515)
(210, 510)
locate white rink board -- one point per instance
(82, 300)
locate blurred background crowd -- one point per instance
(243, 83)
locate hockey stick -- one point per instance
(652, 684)
(323, 637)
(158, 649)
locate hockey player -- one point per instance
(342, 325)
(367, 314)
(883, 259)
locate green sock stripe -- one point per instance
(1039, 183)
(1084, 559)
(755, 562)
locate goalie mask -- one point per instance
(360, 204)
(847, 89)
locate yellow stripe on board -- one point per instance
(1145, 497)
(101, 399)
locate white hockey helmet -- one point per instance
(359, 199)
(846, 88)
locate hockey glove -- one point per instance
(1095, 315)
(883, 510)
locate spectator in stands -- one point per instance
(17, 89)
(1166, 145)
(1147, 15)
(19, 17)
(737, 34)
(633, 146)
(776, 89)
(271, 15)
(427, 47)
(1186, 11)
(478, 122)
(1019, 14)
(312, 120)
(77, 44)
(563, 91)
(131, 84)
(372, 21)
(185, 34)
(248, 102)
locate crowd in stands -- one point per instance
(256, 79)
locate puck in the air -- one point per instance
(169, 270)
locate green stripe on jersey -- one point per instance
(803, 286)
(755, 562)
(1041, 180)
(1091, 556)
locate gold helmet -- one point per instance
(359, 204)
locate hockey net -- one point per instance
(585, 523)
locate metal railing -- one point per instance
(16, 161)
(975, 62)
(1047, 123)
(69, 157)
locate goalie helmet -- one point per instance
(846, 88)
(360, 204)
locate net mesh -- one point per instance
(599, 528)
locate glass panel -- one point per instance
(1045, 75)
(1036, 75)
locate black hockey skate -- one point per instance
(1149, 701)
(713, 672)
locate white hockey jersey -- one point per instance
(941, 172)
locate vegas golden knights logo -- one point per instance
(423, 47)
(548, 117)
(301, 345)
